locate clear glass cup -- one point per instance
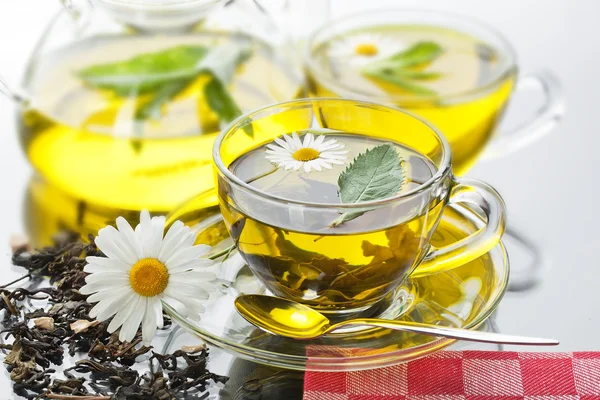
(122, 99)
(292, 247)
(467, 118)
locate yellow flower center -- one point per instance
(366, 49)
(305, 154)
(148, 277)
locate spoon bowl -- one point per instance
(288, 318)
(282, 317)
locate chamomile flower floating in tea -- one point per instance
(144, 269)
(329, 257)
(312, 153)
(432, 65)
(365, 48)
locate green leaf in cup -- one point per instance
(146, 72)
(402, 68)
(221, 102)
(376, 174)
(166, 73)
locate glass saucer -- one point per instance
(463, 297)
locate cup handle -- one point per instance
(545, 119)
(483, 196)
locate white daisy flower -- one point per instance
(291, 153)
(362, 49)
(141, 270)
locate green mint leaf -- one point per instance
(167, 73)
(221, 102)
(420, 53)
(373, 175)
(396, 69)
(403, 83)
(146, 72)
(152, 109)
(418, 75)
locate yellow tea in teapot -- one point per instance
(128, 122)
(458, 83)
(303, 254)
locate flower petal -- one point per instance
(296, 140)
(229, 269)
(186, 254)
(97, 286)
(106, 294)
(149, 321)
(284, 144)
(187, 306)
(158, 312)
(316, 164)
(184, 292)
(124, 313)
(179, 307)
(181, 239)
(131, 325)
(154, 244)
(193, 276)
(308, 140)
(118, 279)
(109, 240)
(189, 265)
(112, 305)
(108, 263)
(129, 235)
(96, 269)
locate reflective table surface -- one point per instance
(551, 188)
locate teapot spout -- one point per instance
(15, 95)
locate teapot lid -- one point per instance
(157, 3)
(158, 14)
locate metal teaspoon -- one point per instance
(294, 320)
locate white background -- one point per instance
(551, 188)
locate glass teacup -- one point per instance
(454, 72)
(294, 245)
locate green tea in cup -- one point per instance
(333, 211)
(455, 73)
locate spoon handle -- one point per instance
(453, 333)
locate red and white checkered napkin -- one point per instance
(468, 375)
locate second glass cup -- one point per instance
(455, 72)
(285, 220)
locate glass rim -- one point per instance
(440, 174)
(507, 48)
(158, 5)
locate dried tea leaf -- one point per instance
(45, 323)
(19, 242)
(9, 305)
(109, 374)
(82, 325)
(194, 349)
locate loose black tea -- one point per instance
(47, 322)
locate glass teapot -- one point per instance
(122, 99)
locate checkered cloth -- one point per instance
(467, 375)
